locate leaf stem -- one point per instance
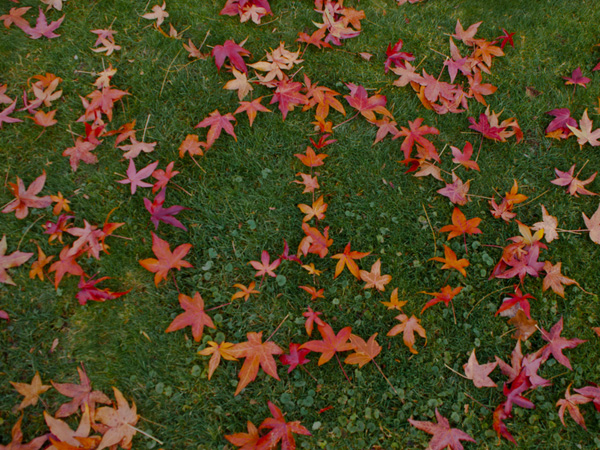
(341, 367)
(145, 434)
(386, 378)
(454, 371)
(278, 327)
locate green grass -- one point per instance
(243, 201)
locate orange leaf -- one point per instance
(450, 261)
(460, 225)
(408, 327)
(167, 260)
(374, 279)
(365, 351)
(256, 353)
(346, 259)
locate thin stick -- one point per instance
(278, 327)
(151, 421)
(309, 374)
(218, 307)
(29, 228)
(168, 71)
(341, 367)
(177, 186)
(439, 53)
(584, 164)
(432, 232)
(146, 434)
(453, 312)
(176, 286)
(479, 151)
(477, 401)
(146, 127)
(480, 196)
(204, 40)
(571, 231)
(386, 378)
(486, 296)
(346, 121)
(532, 200)
(199, 166)
(454, 371)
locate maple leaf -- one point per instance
(62, 431)
(317, 210)
(506, 38)
(265, 266)
(234, 52)
(30, 391)
(443, 435)
(247, 441)
(278, 60)
(217, 122)
(163, 177)
(498, 423)
(310, 158)
(364, 351)
(330, 344)
(460, 225)
(89, 292)
(555, 280)
(445, 295)
(224, 349)
(576, 79)
(450, 261)
(82, 394)
(43, 28)
(287, 94)
(119, 422)
(367, 106)
(191, 145)
(574, 185)
(562, 120)
(15, 259)
(135, 178)
(548, 224)
(17, 439)
(525, 326)
(81, 151)
(408, 327)
(570, 403)
(108, 45)
(37, 268)
(88, 235)
(466, 35)
(251, 108)
(167, 260)
(346, 259)
(395, 57)
(556, 344)
(456, 191)
(312, 317)
(256, 353)
(464, 158)
(295, 358)
(244, 292)
(66, 264)
(160, 214)
(158, 13)
(314, 294)
(26, 198)
(15, 15)
(484, 127)
(103, 100)
(311, 269)
(194, 316)
(62, 204)
(57, 229)
(517, 298)
(193, 51)
(591, 392)
(479, 373)
(593, 225)
(315, 39)
(485, 51)
(414, 134)
(135, 148)
(45, 119)
(394, 303)
(239, 83)
(584, 133)
(310, 183)
(281, 431)
(318, 242)
(374, 279)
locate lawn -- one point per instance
(241, 199)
